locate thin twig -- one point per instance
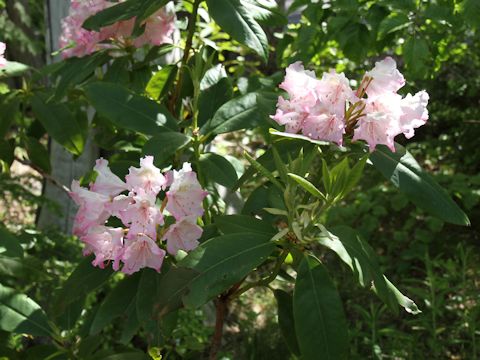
(44, 174)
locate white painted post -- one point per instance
(64, 167)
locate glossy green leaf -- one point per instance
(320, 323)
(420, 187)
(164, 145)
(417, 56)
(20, 314)
(362, 260)
(230, 224)
(116, 303)
(307, 185)
(286, 322)
(10, 110)
(160, 83)
(223, 261)
(392, 23)
(13, 69)
(236, 20)
(9, 244)
(83, 280)
(122, 11)
(243, 112)
(218, 169)
(38, 154)
(214, 93)
(266, 12)
(129, 110)
(59, 122)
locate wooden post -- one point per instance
(64, 167)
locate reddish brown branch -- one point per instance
(221, 306)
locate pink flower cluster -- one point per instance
(326, 108)
(3, 61)
(79, 42)
(133, 201)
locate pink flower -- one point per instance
(148, 177)
(415, 113)
(183, 235)
(290, 115)
(92, 208)
(106, 243)
(381, 123)
(159, 28)
(141, 251)
(300, 84)
(385, 78)
(334, 91)
(185, 195)
(142, 216)
(3, 61)
(107, 183)
(327, 127)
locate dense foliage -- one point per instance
(261, 225)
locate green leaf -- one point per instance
(218, 169)
(267, 12)
(244, 112)
(160, 83)
(229, 224)
(362, 260)
(237, 21)
(223, 261)
(122, 11)
(83, 280)
(420, 187)
(320, 322)
(216, 89)
(13, 69)
(307, 185)
(116, 303)
(286, 322)
(129, 110)
(9, 244)
(7, 151)
(76, 70)
(38, 154)
(392, 23)
(59, 122)
(9, 104)
(471, 12)
(354, 40)
(262, 170)
(164, 145)
(20, 314)
(417, 56)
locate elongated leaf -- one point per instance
(262, 170)
(236, 20)
(38, 154)
(212, 98)
(76, 70)
(221, 262)
(229, 224)
(9, 244)
(129, 110)
(394, 22)
(266, 12)
(286, 322)
(10, 106)
(244, 112)
(116, 303)
(307, 185)
(113, 14)
(320, 322)
(361, 259)
(218, 169)
(160, 82)
(20, 314)
(405, 173)
(164, 145)
(59, 122)
(83, 280)
(13, 69)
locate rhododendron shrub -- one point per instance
(137, 244)
(216, 175)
